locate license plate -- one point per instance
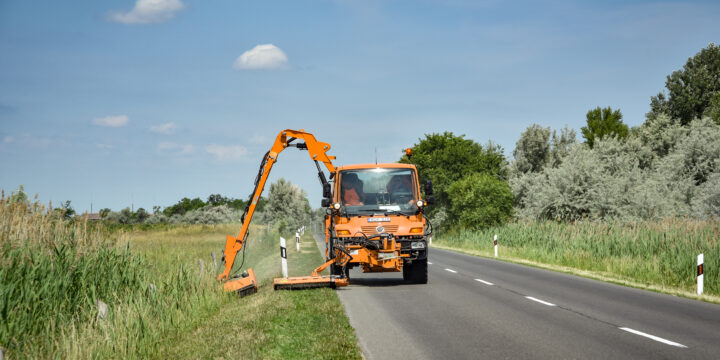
(379, 219)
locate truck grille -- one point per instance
(372, 229)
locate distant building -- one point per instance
(91, 216)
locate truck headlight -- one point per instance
(417, 245)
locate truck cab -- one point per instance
(376, 218)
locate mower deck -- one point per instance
(309, 282)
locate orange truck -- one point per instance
(374, 220)
(377, 218)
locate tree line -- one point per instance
(667, 167)
(217, 209)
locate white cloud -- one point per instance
(166, 146)
(258, 139)
(27, 140)
(230, 152)
(167, 128)
(111, 121)
(267, 56)
(187, 149)
(177, 149)
(148, 11)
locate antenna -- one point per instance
(376, 155)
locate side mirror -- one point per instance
(428, 187)
(326, 202)
(430, 199)
(327, 191)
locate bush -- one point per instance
(287, 207)
(446, 158)
(479, 201)
(629, 180)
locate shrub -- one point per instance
(479, 201)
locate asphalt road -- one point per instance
(477, 308)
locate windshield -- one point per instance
(378, 190)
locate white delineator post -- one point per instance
(700, 272)
(297, 241)
(283, 255)
(495, 242)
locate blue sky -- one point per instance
(143, 102)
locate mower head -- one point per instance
(244, 284)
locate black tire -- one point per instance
(416, 272)
(407, 271)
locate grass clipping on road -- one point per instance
(654, 255)
(159, 302)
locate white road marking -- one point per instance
(450, 270)
(429, 263)
(664, 341)
(540, 301)
(484, 282)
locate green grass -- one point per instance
(272, 324)
(52, 272)
(656, 255)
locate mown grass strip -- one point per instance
(302, 324)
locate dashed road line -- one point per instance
(540, 301)
(656, 338)
(633, 331)
(429, 263)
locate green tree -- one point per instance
(19, 197)
(560, 145)
(287, 206)
(67, 210)
(446, 158)
(692, 89)
(125, 216)
(216, 199)
(104, 212)
(479, 201)
(183, 206)
(141, 215)
(713, 110)
(603, 123)
(532, 150)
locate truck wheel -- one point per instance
(407, 271)
(419, 272)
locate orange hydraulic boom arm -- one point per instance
(317, 151)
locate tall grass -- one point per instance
(51, 273)
(660, 253)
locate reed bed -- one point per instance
(53, 272)
(659, 253)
